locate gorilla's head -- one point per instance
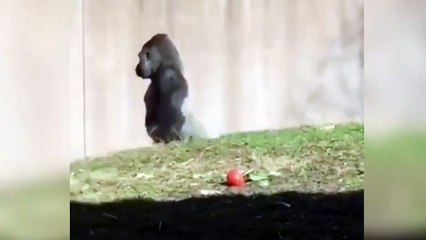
(158, 51)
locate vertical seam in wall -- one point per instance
(83, 77)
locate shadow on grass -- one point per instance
(289, 215)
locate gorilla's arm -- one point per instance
(173, 91)
(151, 104)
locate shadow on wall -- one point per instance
(289, 215)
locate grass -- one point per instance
(307, 159)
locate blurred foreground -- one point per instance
(395, 114)
(36, 211)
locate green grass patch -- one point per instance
(37, 210)
(302, 159)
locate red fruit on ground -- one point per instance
(235, 178)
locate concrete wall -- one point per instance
(250, 65)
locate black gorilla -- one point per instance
(159, 61)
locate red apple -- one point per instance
(235, 178)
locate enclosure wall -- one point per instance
(70, 88)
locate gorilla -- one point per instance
(159, 61)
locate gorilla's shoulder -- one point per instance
(171, 71)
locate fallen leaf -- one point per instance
(144, 175)
(207, 192)
(264, 183)
(256, 178)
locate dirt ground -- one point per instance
(288, 215)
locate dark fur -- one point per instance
(159, 61)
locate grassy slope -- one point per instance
(302, 159)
